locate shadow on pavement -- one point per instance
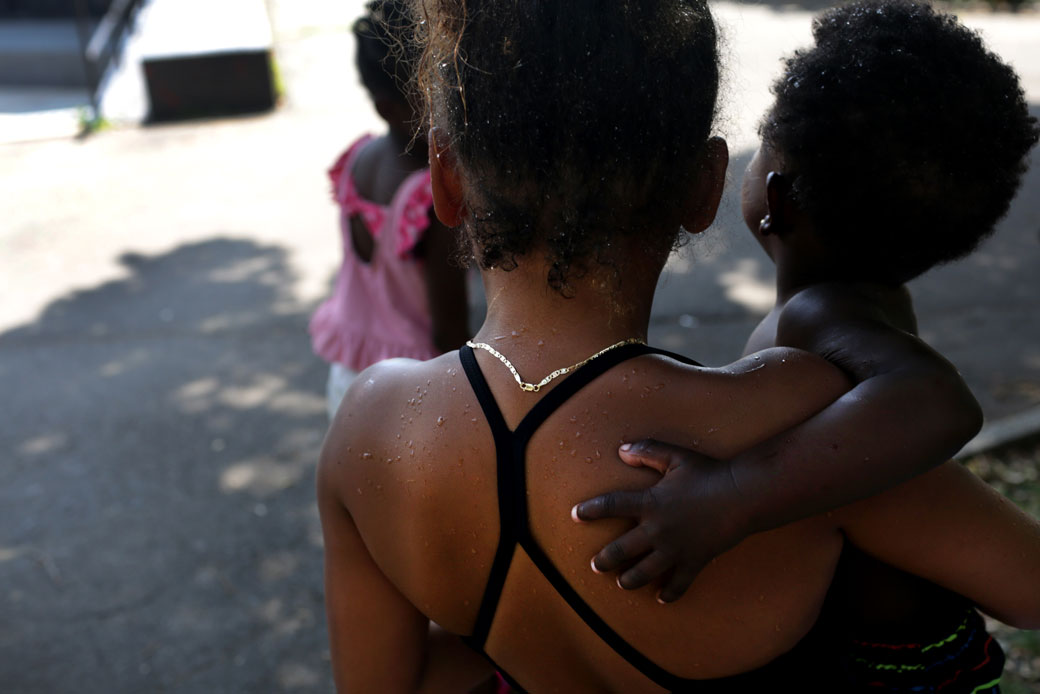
(157, 524)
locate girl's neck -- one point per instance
(539, 329)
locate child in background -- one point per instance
(895, 144)
(397, 293)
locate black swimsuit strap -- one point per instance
(507, 540)
(510, 447)
(514, 528)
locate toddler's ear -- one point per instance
(446, 180)
(782, 211)
(703, 201)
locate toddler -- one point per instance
(895, 144)
(398, 293)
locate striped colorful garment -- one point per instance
(966, 661)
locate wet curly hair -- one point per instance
(575, 122)
(386, 54)
(904, 137)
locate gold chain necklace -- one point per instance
(535, 387)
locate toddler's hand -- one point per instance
(683, 522)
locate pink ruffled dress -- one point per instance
(378, 309)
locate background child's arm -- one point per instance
(909, 412)
(446, 287)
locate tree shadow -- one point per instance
(157, 523)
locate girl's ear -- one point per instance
(703, 202)
(446, 180)
(780, 208)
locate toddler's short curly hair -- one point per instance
(575, 122)
(904, 136)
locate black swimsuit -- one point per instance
(793, 668)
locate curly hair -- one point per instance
(386, 54)
(905, 137)
(575, 122)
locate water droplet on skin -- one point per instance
(588, 459)
(440, 421)
(366, 455)
(574, 453)
(577, 434)
(598, 454)
(359, 492)
(541, 343)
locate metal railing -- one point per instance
(100, 45)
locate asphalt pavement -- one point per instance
(163, 412)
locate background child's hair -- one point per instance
(574, 121)
(386, 53)
(905, 137)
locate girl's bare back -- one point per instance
(419, 478)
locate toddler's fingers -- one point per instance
(622, 551)
(679, 582)
(610, 505)
(650, 567)
(653, 454)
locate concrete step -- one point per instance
(41, 113)
(49, 9)
(40, 52)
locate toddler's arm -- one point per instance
(908, 412)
